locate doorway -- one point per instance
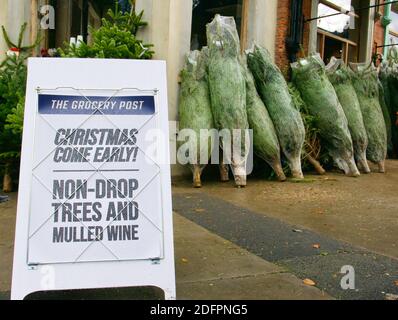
(203, 12)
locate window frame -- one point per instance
(346, 43)
(393, 32)
(243, 28)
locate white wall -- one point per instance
(367, 32)
(262, 24)
(3, 22)
(14, 13)
(18, 13)
(169, 30)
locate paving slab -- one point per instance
(375, 275)
(267, 237)
(305, 253)
(260, 287)
(202, 256)
(210, 268)
(7, 230)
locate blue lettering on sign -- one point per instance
(78, 105)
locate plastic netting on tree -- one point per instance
(312, 154)
(365, 81)
(195, 114)
(389, 80)
(386, 114)
(341, 78)
(265, 141)
(310, 78)
(274, 91)
(228, 92)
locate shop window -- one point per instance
(205, 10)
(393, 38)
(338, 35)
(73, 19)
(394, 24)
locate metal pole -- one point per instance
(348, 12)
(387, 45)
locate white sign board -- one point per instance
(94, 206)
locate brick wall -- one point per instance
(378, 38)
(282, 32)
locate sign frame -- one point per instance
(91, 74)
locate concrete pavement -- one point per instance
(209, 267)
(362, 211)
(305, 253)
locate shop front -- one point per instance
(340, 28)
(346, 29)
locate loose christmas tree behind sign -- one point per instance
(12, 97)
(116, 38)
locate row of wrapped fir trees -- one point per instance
(338, 110)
